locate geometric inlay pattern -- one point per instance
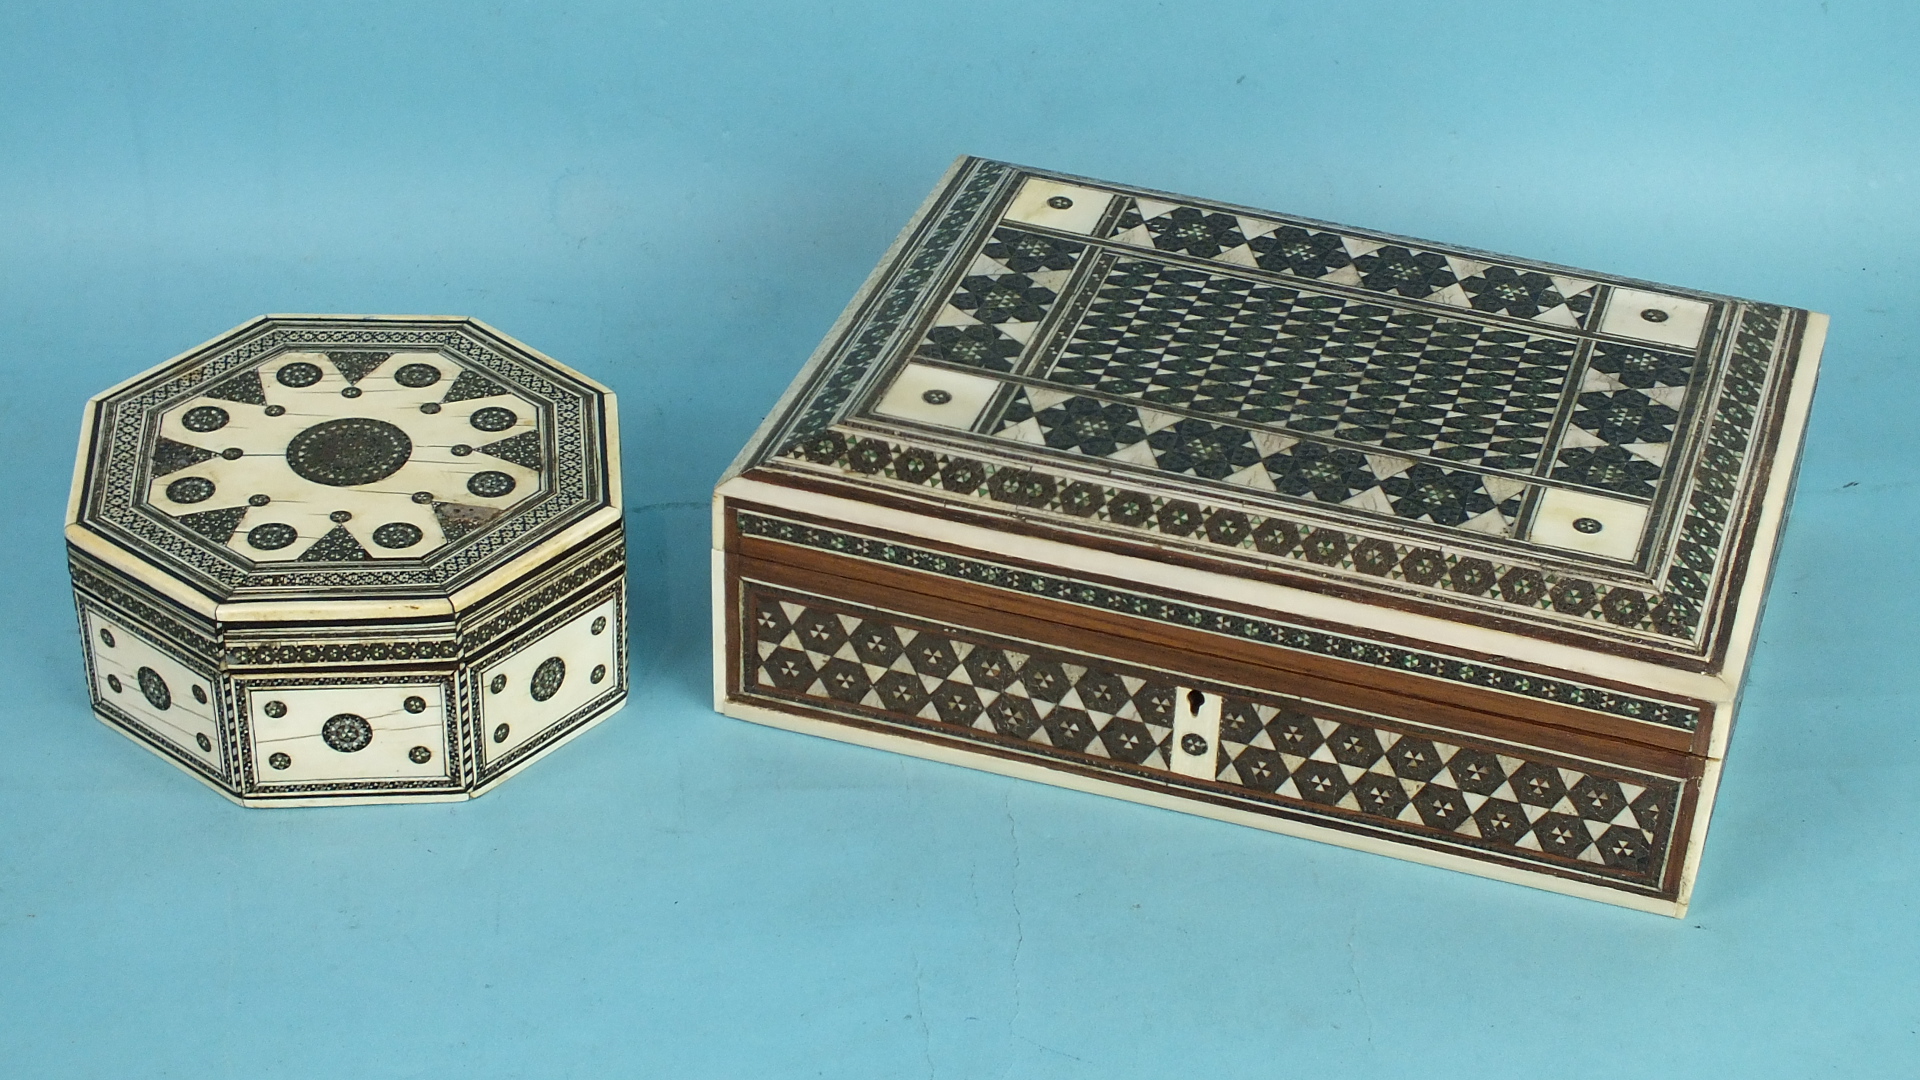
(1220, 526)
(1264, 460)
(1009, 288)
(348, 456)
(933, 676)
(1320, 763)
(1492, 676)
(1195, 436)
(1377, 266)
(1350, 369)
(1624, 419)
(331, 454)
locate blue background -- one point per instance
(679, 199)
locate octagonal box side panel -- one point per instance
(343, 712)
(483, 619)
(153, 672)
(553, 677)
(333, 738)
(572, 612)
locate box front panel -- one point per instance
(347, 736)
(1132, 602)
(313, 736)
(1052, 698)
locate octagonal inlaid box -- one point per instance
(1403, 546)
(340, 559)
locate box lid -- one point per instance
(1557, 454)
(379, 465)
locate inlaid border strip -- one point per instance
(1228, 623)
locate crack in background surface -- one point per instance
(1019, 925)
(920, 1013)
(1353, 969)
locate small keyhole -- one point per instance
(1195, 699)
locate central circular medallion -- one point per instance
(349, 451)
(547, 678)
(346, 732)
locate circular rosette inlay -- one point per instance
(349, 452)
(547, 678)
(204, 418)
(155, 689)
(346, 732)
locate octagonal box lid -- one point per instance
(344, 467)
(1415, 440)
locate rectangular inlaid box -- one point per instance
(1401, 546)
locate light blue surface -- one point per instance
(679, 200)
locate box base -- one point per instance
(613, 707)
(1019, 770)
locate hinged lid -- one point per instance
(1558, 454)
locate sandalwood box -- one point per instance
(1396, 545)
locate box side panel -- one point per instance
(1008, 689)
(507, 610)
(345, 712)
(1766, 526)
(545, 659)
(355, 735)
(547, 681)
(152, 669)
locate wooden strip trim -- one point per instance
(1199, 642)
(773, 473)
(1209, 657)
